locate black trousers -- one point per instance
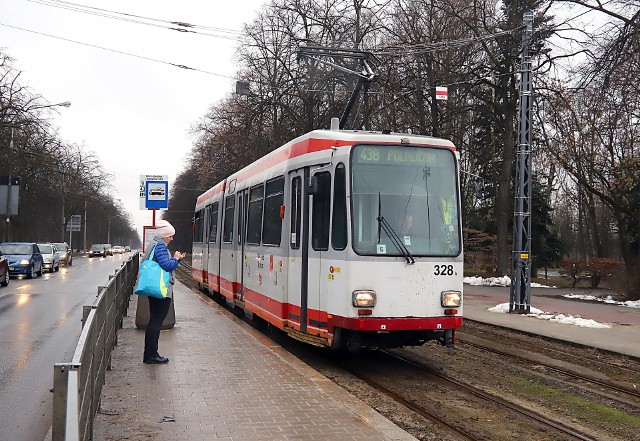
(158, 310)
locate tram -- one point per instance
(344, 239)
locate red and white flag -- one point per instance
(442, 93)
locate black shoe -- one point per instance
(156, 360)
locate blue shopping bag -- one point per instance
(152, 279)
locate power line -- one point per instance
(394, 50)
(181, 66)
(138, 19)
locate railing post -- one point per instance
(60, 382)
(85, 313)
(64, 425)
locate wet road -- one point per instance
(40, 322)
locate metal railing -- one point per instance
(77, 385)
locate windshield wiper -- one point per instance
(395, 239)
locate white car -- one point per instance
(50, 256)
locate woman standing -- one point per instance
(158, 308)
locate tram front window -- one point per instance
(415, 190)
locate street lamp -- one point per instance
(47, 106)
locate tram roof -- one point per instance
(318, 140)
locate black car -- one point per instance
(97, 249)
(24, 258)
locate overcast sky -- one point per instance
(134, 113)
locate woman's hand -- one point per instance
(178, 255)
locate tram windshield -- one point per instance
(412, 190)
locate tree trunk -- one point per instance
(504, 204)
(629, 234)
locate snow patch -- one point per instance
(558, 318)
(496, 281)
(608, 300)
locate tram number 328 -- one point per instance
(443, 270)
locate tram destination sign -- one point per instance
(395, 155)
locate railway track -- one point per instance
(450, 423)
(553, 367)
(561, 350)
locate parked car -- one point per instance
(66, 257)
(4, 270)
(108, 248)
(50, 256)
(23, 257)
(97, 249)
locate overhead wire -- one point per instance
(234, 35)
(181, 66)
(394, 50)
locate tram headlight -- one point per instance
(451, 298)
(364, 298)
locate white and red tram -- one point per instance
(345, 239)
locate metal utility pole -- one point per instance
(64, 219)
(520, 294)
(84, 243)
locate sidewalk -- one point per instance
(224, 381)
(623, 337)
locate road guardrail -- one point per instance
(77, 385)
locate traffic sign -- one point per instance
(74, 223)
(156, 195)
(9, 195)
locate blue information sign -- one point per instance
(157, 194)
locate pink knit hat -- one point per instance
(164, 229)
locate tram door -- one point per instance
(228, 254)
(318, 243)
(241, 228)
(308, 240)
(205, 246)
(297, 266)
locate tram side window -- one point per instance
(254, 227)
(296, 212)
(229, 208)
(321, 212)
(241, 206)
(272, 222)
(213, 223)
(197, 224)
(339, 220)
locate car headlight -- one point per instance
(364, 298)
(25, 262)
(450, 298)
